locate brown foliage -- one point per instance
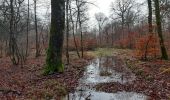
(153, 50)
(89, 44)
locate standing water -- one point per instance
(103, 70)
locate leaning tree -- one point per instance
(159, 29)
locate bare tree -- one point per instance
(126, 11)
(159, 29)
(101, 19)
(150, 27)
(80, 25)
(36, 30)
(12, 16)
(28, 22)
(67, 31)
(81, 9)
(73, 28)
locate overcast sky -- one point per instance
(101, 6)
(104, 7)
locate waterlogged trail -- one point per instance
(104, 70)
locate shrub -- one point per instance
(152, 50)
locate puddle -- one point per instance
(92, 95)
(92, 73)
(92, 76)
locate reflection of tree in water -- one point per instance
(105, 66)
(113, 65)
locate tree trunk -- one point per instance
(26, 54)
(14, 53)
(150, 16)
(112, 36)
(71, 18)
(67, 31)
(149, 27)
(159, 29)
(123, 22)
(81, 33)
(36, 29)
(54, 53)
(100, 37)
(80, 27)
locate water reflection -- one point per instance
(106, 66)
(92, 95)
(92, 76)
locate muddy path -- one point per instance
(105, 70)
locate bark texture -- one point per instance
(54, 53)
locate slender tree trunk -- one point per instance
(80, 27)
(11, 31)
(150, 16)
(112, 36)
(26, 54)
(71, 18)
(100, 37)
(150, 27)
(159, 29)
(36, 29)
(54, 53)
(81, 33)
(123, 22)
(12, 42)
(67, 31)
(42, 36)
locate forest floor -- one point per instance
(28, 82)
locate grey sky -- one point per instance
(104, 6)
(101, 6)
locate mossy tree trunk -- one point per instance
(54, 53)
(159, 29)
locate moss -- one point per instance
(51, 68)
(53, 65)
(102, 52)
